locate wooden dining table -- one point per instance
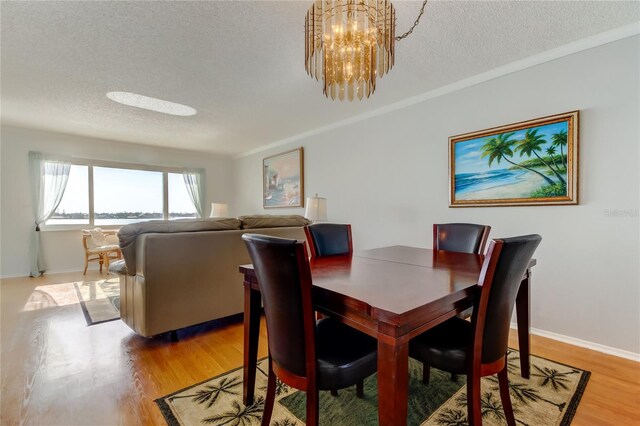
(392, 294)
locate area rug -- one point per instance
(549, 397)
(100, 300)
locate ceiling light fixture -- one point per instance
(152, 104)
(351, 42)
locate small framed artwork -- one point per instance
(533, 162)
(283, 180)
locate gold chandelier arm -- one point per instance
(415, 24)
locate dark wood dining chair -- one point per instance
(463, 238)
(304, 353)
(479, 348)
(460, 237)
(329, 239)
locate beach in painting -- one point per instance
(497, 184)
(523, 164)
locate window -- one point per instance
(74, 207)
(180, 204)
(124, 196)
(110, 194)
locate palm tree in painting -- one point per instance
(531, 144)
(499, 148)
(560, 139)
(551, 152)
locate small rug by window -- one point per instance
(549, 397)
(100, 300)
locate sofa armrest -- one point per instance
(118, 267)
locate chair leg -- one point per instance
(271, 396)
(313, 411)
(426, 372)
(334, 392)
(106, 262)
(474, 414)
(503, 381)
(86, 264)
(360, 389)
(101, 262)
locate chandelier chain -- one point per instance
(415, 24)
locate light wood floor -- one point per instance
(58, 371)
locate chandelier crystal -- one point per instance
(349, 43)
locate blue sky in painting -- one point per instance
(467, 153)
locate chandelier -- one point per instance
(349, 43)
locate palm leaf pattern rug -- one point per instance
(549, 397)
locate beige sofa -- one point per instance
(180, 273)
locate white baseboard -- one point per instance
(584, 344)
(57, 271)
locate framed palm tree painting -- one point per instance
(533, 162)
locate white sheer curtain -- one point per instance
(49, 178)
(193, 180)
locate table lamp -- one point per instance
(316, 209)
(219, 210)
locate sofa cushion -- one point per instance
(272, 221)
(129, 233)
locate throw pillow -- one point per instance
(98, 237)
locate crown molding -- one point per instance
(540, 58)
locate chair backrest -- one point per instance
(502, 272)
(329, 239)
(96, 237)
(282, 269)
(460, 237)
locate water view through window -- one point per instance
(121, 196)
(125, 196)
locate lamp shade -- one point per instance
(316, 208)
(219, 210)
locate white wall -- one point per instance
(388, 177)
(63, 249)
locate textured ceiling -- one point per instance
(240, 64)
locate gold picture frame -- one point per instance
(533, 162)
(283, 180)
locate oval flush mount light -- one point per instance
(152, 104)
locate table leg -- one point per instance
(523, 314)
(393, 381)
(252, 301)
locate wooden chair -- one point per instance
(479, 348)
(98, 249)
(460, 237)
(329, 239)
(304, 353)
